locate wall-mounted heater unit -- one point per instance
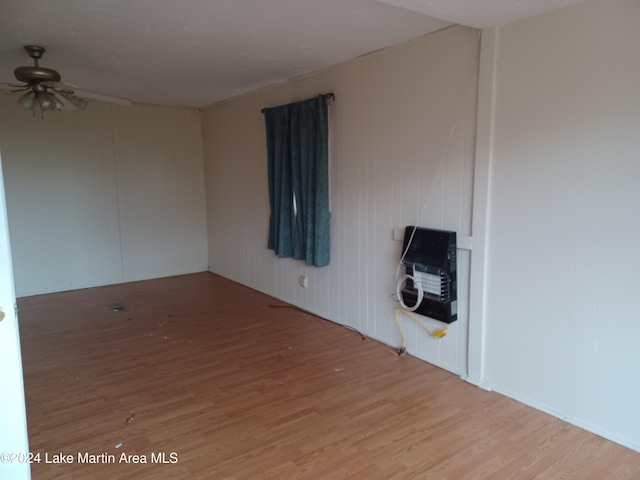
(430, 264)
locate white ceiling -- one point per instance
(197, 52)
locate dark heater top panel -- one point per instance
(428, 246)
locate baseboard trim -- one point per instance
(483, 385)
(555, 413)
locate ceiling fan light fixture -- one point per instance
(28, 100)
(58, 104)
(45, 101)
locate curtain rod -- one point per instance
(329, 96)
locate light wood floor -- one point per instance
(203, 367)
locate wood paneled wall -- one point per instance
(402, 142)
(108, 195)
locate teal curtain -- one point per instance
(298, 169)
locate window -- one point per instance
(298, 170)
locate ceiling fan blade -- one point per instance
(10, 87)
(104, 98)
(78, 92)
(71, 103)
(58, 87)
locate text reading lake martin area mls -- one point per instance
(95, 458)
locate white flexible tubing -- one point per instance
(400, 279)
(404, 254)
(404, 278)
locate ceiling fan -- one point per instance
(45, 91)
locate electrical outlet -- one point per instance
(304, 281)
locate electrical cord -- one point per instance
(435, 334)
(402, 279)
(348, 327)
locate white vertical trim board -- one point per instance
(481, 207)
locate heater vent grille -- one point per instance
(434, 285)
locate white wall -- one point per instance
(108, 195)
(403, 135)
(563, 327)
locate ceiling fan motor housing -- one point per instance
(36, 74)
